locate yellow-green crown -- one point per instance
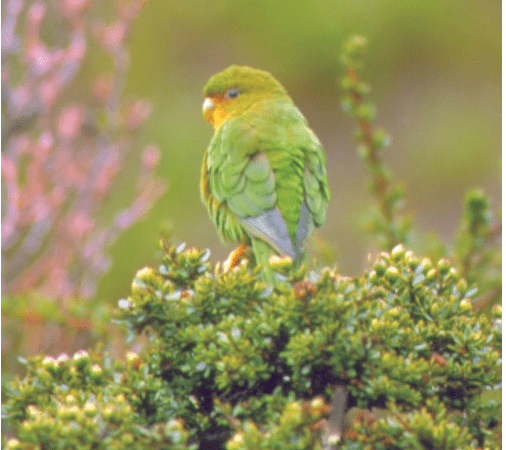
(244, 79)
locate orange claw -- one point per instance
(234, 257)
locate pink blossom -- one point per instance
(102, 87)
(5, 74)
(106, 174)
(115, 34)
(57, 280)
(7, 229)
(44, 145)
(94, 245)
(9, 40)
(14, 7)
(77, 47)
(21, 144)
(56, 197)
(70, 121)
(124, 219)
(41, 210)
(20, 98)
(138, 113)
(58, 56)
(80, 223)
(35, 180)
(67, 169)
(73, 7)
(48, 92)
(10, 13)
(9, 169)
(36, 13)
(150, 156)
(131, 9)
(56, 173)
(41, 58)
(9, 176)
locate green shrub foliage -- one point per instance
(233, 363)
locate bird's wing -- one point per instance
(316, 189)
(269, 170)
(241, 176)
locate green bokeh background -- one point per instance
(435, 68)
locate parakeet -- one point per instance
(264, 177)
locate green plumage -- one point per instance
(264, 179)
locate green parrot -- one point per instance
(264, 178)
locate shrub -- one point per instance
(233, 362)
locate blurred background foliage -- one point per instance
(436, 71)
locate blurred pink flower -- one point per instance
(5, 74)
(35, 15)
(138, 114)
(9, 170)
(115, 34)
(131, 9)
(77, 47)
(56, 197)
(70, 121)
(102, 87)
(106, 173)
(20, 98)
(41, 58)
(80, 223)
(73, 8)
(41, 210)
(58, 165)
(44, 145)
(150, 156)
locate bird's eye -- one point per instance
(232, 93)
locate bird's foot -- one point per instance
(234, 258)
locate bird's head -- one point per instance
(231, 92)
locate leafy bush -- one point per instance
(231, 359)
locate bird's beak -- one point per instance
(207, 108)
